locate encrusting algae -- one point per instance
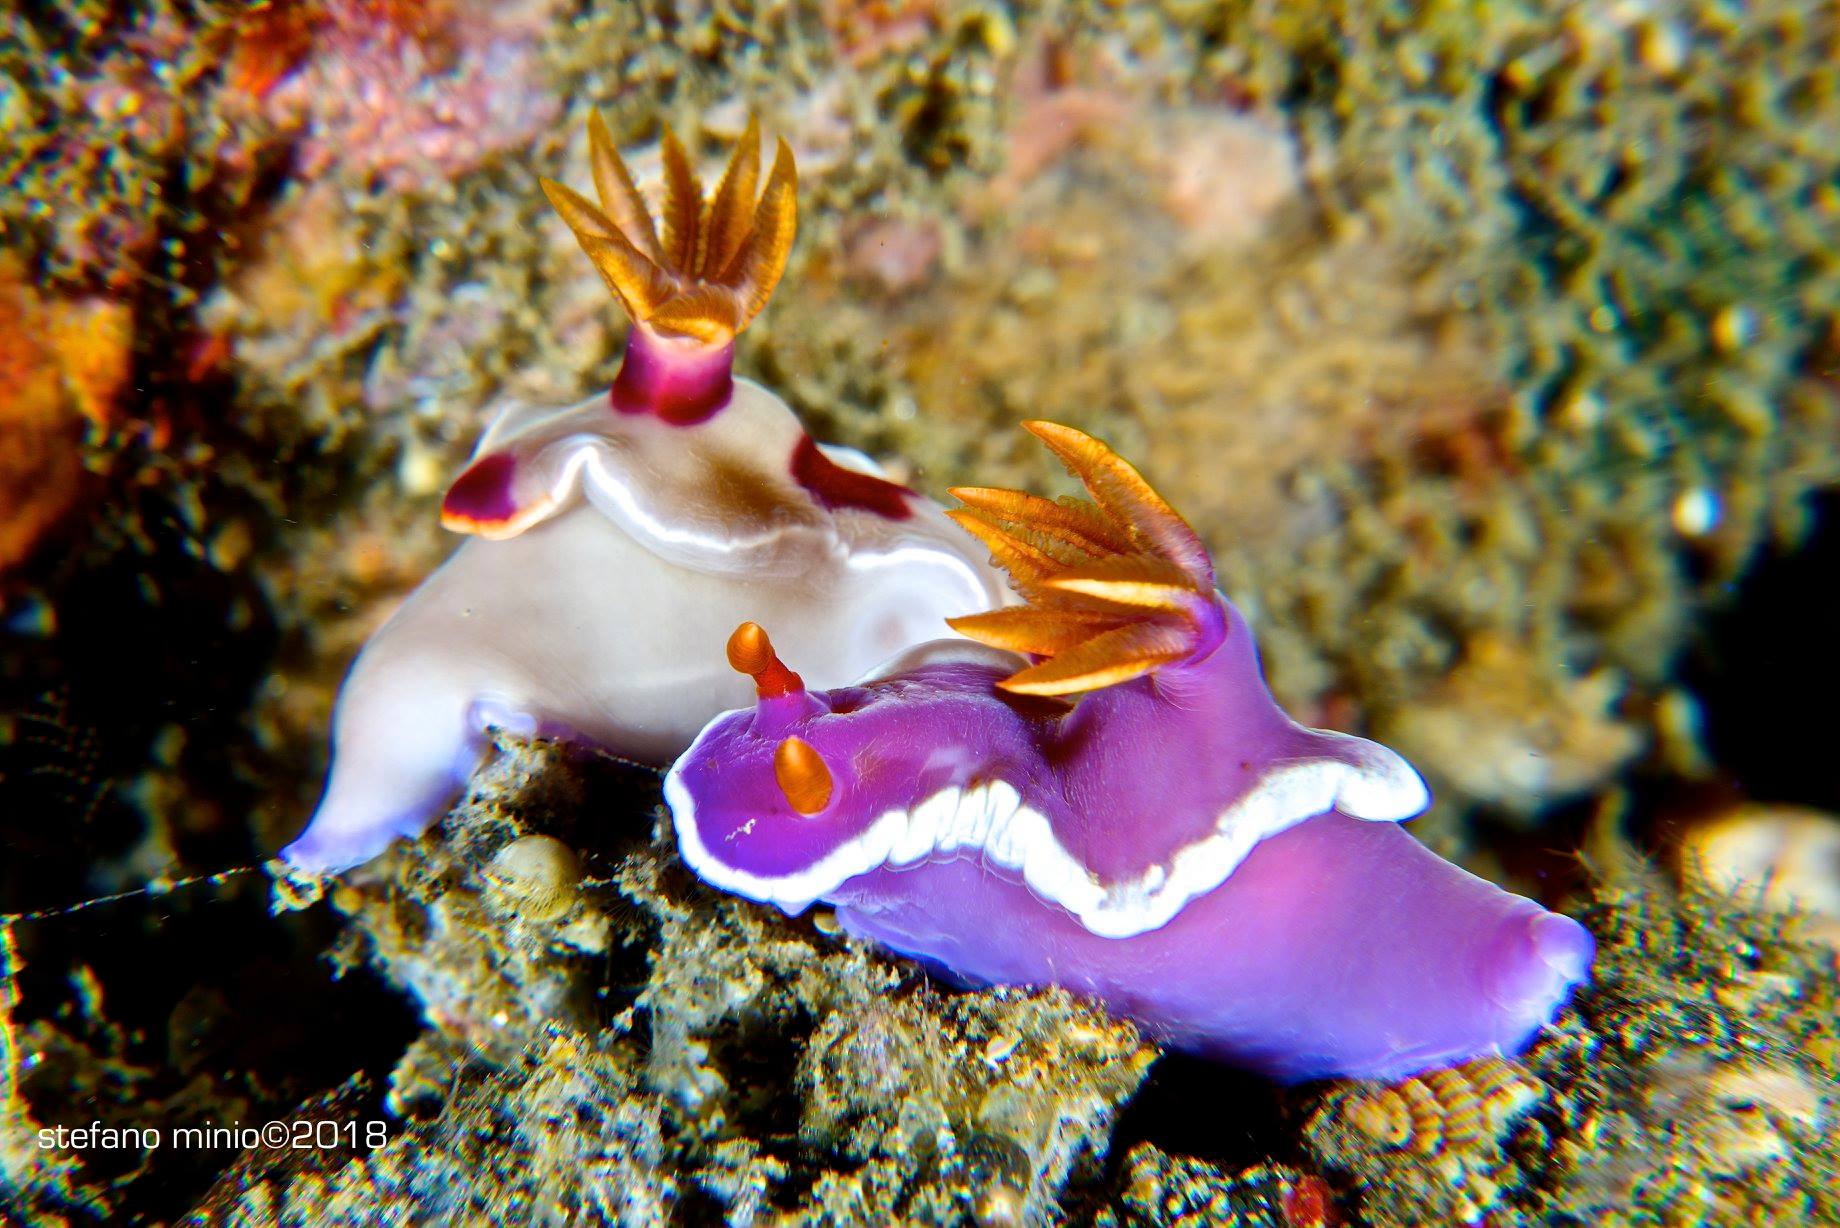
(1690, 1085)
(1165, 1191)
(706, 1013)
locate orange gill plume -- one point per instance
(1116, 586)
(750, 652)
(802, 776)
(717, 260)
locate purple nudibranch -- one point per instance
(1171, 843)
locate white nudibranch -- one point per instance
(613, 545)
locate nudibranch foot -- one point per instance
(409, 730)
(1126, 812)
(613, 545)
(1338, 948)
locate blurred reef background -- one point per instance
(1494, 348)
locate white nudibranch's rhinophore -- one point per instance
(615, 544)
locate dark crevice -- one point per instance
(1767, 669)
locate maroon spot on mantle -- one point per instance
(833, 486)
(482, 495)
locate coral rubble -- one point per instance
(1165, 1191)
(728, 1059)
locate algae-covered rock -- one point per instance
(1165, 1191)
(1692, 1082)
(585, 997)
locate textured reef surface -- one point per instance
(1493, 350)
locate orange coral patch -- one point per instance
(60, 362)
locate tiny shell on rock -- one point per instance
(1458, 1108)
(540, 872)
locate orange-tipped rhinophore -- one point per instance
(751, 653)
(1116, 587)
(717, 261)
(802, 776)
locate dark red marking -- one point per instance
(206, 357)
(1310, 1203)
(483, 493)
(677, 383)
(833, 486)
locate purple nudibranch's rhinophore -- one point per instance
(1171, 843)
(614, 544)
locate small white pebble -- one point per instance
(999, 1049)
(1663, 46)
(420, 471)
(1696, 512)
(1734, 328)
(1584, 411)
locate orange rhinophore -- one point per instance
(1116, 587)
(716, 262)
(751, 653)
(802, 776)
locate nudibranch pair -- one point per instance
(1170, 843)
(614, 544)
